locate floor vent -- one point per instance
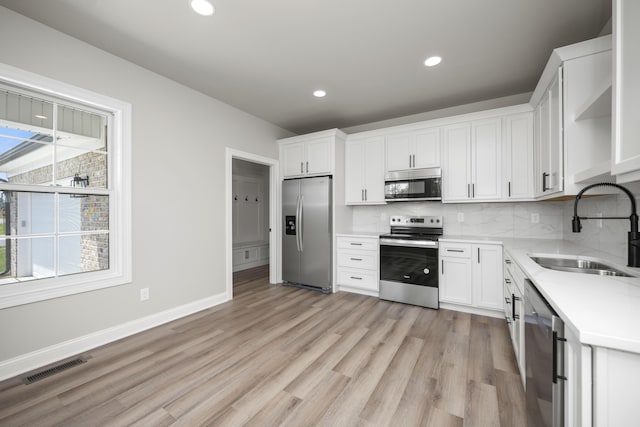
(53, 370)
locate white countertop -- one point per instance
(602, 311)
(359, 234)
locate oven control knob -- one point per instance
(432, 221)
(426, 271)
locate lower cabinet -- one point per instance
(514, 309)
(471, 275)
(358, 260)
(578, 383)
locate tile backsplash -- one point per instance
(480, 219)
(514, 219)
(608, 235)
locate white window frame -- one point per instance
(120, 265)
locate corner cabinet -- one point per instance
(364, 171)
(625, 155)
(473, 161)
(308, 155)
(548, 154)
(471, 275)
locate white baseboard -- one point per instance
(27, 362)
(472, 310)
(248, 265)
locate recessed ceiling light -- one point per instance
(40, 116)
(319, 93)
(202, 7)
(432, 60)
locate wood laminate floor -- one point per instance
(284, 356)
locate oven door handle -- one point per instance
(408, 243)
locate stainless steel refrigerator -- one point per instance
(306, 240)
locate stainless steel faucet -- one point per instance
(633, 239)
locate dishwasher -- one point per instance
(544, 358)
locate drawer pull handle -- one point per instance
(356, 278)
(455, 250)
(356, 259)
(355, 244)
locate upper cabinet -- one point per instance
(548, 152)
(309, 155)
(472, 161)
(518, 157)
(364, 171)
(625, 156)
(572, 128)
(413, 150)
(307, 158)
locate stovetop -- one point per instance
(415, 227)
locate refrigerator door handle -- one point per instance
(300, 224)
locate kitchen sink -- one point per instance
(579, 265)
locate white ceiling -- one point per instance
(267, 57)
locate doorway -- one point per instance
(251, 213)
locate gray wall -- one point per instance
(179, 137)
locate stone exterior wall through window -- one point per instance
(94, 210)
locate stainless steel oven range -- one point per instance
(409, 260)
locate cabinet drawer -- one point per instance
(514, 272)
(455, 250)
(369, 244)
(357, 259)
(361, 279)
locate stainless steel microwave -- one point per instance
(413, 185)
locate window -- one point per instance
(64, 189)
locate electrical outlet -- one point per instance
(460, 216)
(535, 218)
(144, 294)
(599, 214)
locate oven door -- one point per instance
(406, 261)
(409, 272)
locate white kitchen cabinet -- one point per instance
(507, 307)
(412, 150)
(456, 143)
(578, 383)
(625, 154)
(487, 276)
(307, 158)
(457, 278)
(572, 103)
(486, 159)
(473, 161)
(358, 264)
(514, 300)
(548, 152)
(364, 171)
(518, 157)
(471, 275)
(293, 158)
